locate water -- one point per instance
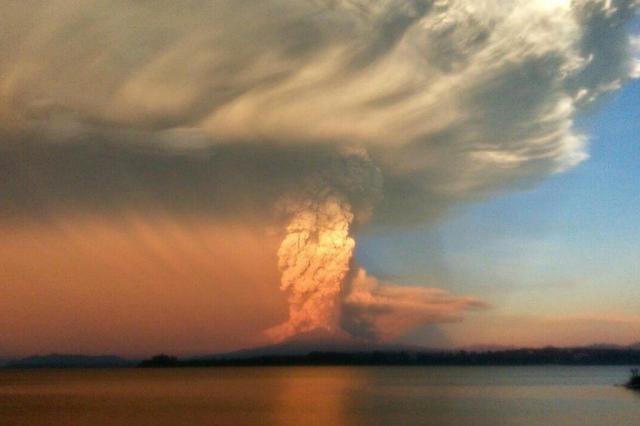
(320, 396)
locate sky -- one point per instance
(210, 176)
(560, 255)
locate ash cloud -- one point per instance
(377, 310)
(105, 173)
(399, 108)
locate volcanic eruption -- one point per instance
(321, 120)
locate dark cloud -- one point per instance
(342, 111)
(450, 101)
(106, 174)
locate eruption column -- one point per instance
(314, 259)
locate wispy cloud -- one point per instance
(399, 109)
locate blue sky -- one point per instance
(568, 247)
(204, 173)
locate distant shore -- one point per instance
(516, 357)
(508, 357)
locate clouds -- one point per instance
(108, 172)
(451, 100)
(216, 110)
(314, 259)
(387, 311)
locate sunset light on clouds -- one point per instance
(235, 173)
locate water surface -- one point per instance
(320, 396)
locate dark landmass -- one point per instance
(317, 341)
(487, 348)
(634, 381)
(303, 351)
(161, 360)
(515, 357)
(635, 346)
(70, 361)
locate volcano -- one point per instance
(318, 341)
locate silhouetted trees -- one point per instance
(544, 356)
(634, 382)
(161, 360)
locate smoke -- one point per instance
(329, 292)
(326, 117)
(316, 253)
(453, 101)
(314, 259)
(383, 311)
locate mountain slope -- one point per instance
(316, 341)
(69, 361)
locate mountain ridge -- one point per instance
(55, 360)
(296, 347)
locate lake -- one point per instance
(320, 396)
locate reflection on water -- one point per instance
(320, 396)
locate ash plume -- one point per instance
(322, 119)
(384, 311)
(316, 254)
(314, 260)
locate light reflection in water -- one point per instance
(319, 396)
